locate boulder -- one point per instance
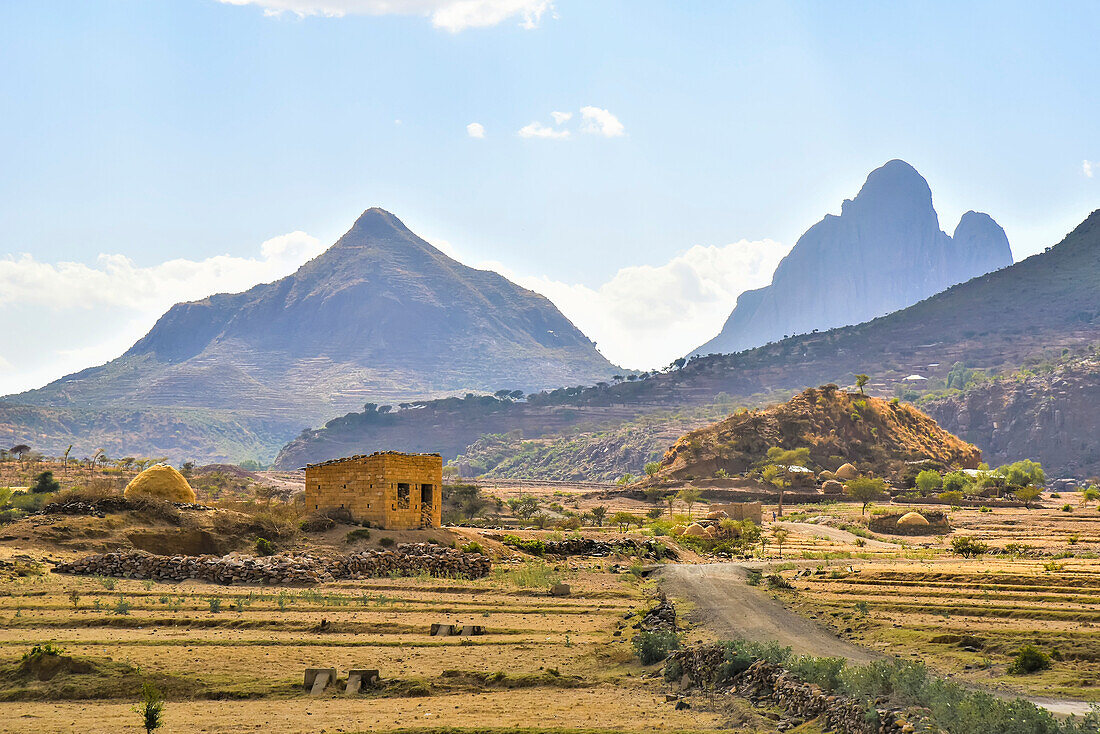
(160, 481)
(832, 486)
(847, 472)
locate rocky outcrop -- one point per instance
(1049, 417)
(407, 560)
(883, 253)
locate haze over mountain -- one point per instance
(380, 316)
(1045, 304)
(884, 252)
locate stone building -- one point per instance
(741, 511)
(388, 489)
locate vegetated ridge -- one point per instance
(1047, 414)
(877, 436)
(884, 252)
(381, 315)
(1046, 303)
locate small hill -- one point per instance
(838, 427)
(381, 316)
(884, 252)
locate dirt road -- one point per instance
(728, 606)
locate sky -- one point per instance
(640, 163)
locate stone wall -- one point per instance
(389, 490)
(408, 559)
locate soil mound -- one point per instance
(163, 482)
(838, 427)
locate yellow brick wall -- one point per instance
(368, 488)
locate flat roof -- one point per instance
(367, 456)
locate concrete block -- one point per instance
(318, 679)
(560, 590)
(359, 677)
(441, 630)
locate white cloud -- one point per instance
(538, 130)
(646, 316)
(450, 15)
(600, 122)
(1086, 168)
(561, 117)
(475, 130)
(99, 310)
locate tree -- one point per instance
(1090, 494)
(624, 520)
(928, 481)
(1025, 473)
(774, 476)
(865, 490)
(652, 467)
(689, 496)
(780, 535)
(671, 500)
(599, 512)
(780, 461)
(65, 460)
(45, 482)
(862, 380)
(957, 481)
(1027, 495)
(150, 708)
(524, 507)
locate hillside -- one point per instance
(380, 316)
(1044, 304)
(1048, 415)
(884, 252)
(877, 436)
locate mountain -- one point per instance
(1047, 415)
(836, 426)
(380, 316)
(883, 253)
(1041, 306)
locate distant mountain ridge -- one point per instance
(1049, 302)
(884, 253)
(381, 316)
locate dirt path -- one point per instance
(729, 607)
(830, 533)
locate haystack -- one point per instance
(695, 530)
(847, 472)
(717, 515)
(832, 486)
(677, 531)
(912, 519)
(163, 482)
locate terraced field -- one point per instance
(969, 617)
(231, 659)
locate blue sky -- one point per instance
(167, 130)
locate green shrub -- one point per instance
(967, 547)
(359, 534)
(264, 547)
(473, 547)
(1029, 659)
(386, 542)
(44, 483)
(532, 546)
(1067, 508)
(150, 708)
(652, 647)
(215, 604)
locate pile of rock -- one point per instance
(603, 548)
(767, 684)
(407, 559)
(104, 505)
(661, 618)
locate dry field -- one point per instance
(231, 659)
(968, 617)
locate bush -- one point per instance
(533, 546)
(954, 497)
(653, 647)
(264, 547)
(386, 542)
(317, 523)
(473, 547)
(44, 483)
(967, 547)
(354, 535)
(1067, 508)
(1029, 659)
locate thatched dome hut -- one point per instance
(163, 482)
(847, 472)
(695, 530)
(913, 519)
